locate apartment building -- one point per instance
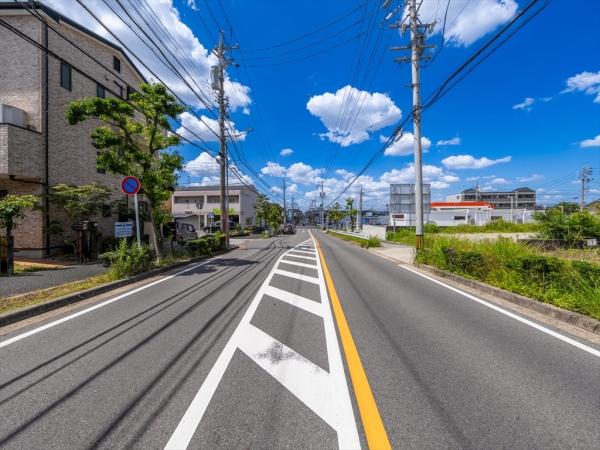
(520, 198)
(38, 148)
(196, 204)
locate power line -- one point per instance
(310, 33)
(445, 87)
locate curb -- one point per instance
(31, 311)
(578, 320)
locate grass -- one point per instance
(371, 241)
(569, 284)
(33, 298)
(498, 226)
(22, 268)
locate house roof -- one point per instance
(461, 204)
(58, 17)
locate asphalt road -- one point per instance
(244, 351)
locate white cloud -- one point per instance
(453, 141)
(276, 190)
(192, 4)
(405, 145)
(588, 82)
(292, 189)
(205, 167)
(525, 104)
(470, 162)
(345, 174)
(206, 129)
(273, 169)
(303, 173)
(286, 152)
(594, 142)
(467, 20)
(450, 179)
(534, 177)
(377, 111)
(168, 15)
(499, 181)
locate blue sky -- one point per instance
(529, 115)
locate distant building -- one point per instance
(402, 204)
(38, 148)
(196, 205)
(520, 198)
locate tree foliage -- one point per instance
(553, 224)
(80, 202)
(335, 213)
(269, 212)
(13, 208)
(136, 140)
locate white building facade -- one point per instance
(198, 205)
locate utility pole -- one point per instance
(585, 176)
(417, 45)
(359, 210)
(284, 204)
(322, 195)
(218, 84)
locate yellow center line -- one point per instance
(377, 438)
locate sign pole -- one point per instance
(137, 220)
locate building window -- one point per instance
(130, 91)
(3, 193)
(234, 199)
(65, 75)
(459, 217)
(182, 199)
(116, 64)
(106, 210)
(100, 91)
(213, 199)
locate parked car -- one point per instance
(288, 228)
(216, 226)
(180, 231)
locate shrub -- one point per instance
(128, 259)
(206, 244)
(553, 224)
(432, 228)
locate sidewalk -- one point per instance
(398, 252)
(32, 281)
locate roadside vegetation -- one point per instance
(569, 284)
(372, 241)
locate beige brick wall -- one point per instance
(29, 231)
(72, 158)
(21, 153)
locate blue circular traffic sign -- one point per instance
(130, 185)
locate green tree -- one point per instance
(12, 209)
(136, 140)
(274, 216)
(350, 211)
(261, 207)
(80, 202)
(553, 224)
(335, 213)
(566, 207)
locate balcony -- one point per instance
(21, 153)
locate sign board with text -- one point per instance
(123, 229)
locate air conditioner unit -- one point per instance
(13, 115)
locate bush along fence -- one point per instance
(573, 285)
(129, 259)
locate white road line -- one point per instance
(303, 251)
(538, 327)
(99, 305)
(299, 264)
(310, 258)
(298, 276)
(295, 300)
(326, 394)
